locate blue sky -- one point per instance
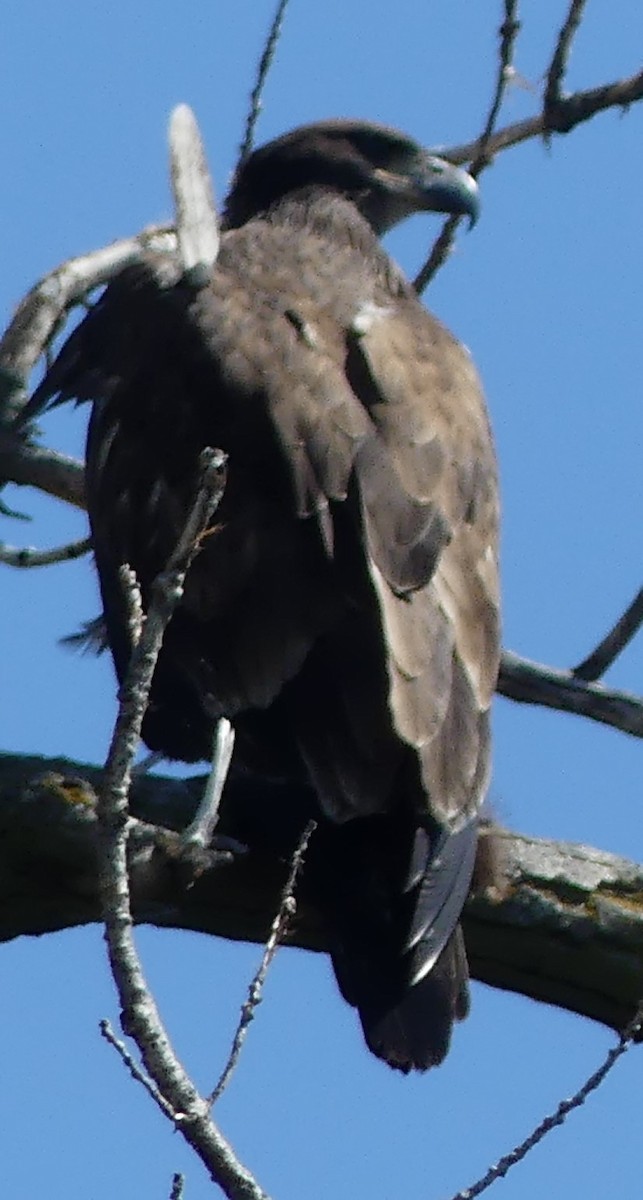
(546, 294)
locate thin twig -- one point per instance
(107, 1032)
(27, 556)
(263, 69)
(560, 57)
(278, 930)
(444, 242)
(178, 1183)
(140, 1015)
(509, 31)
(500, 1169)
(440, 251)
(608, 650)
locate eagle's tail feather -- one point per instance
(414, 1033)
(360, 876)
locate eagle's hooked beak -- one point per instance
(434, 185)
(448, 188)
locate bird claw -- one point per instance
(191, 859)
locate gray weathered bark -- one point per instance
(566, 927)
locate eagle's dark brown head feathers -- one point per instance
(386, 174)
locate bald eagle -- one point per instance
(343, 613)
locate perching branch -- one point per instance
(567, 927)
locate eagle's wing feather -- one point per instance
(442, 634)
(427, 520)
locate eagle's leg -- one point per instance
(200, 831)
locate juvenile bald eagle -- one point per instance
(344, 612)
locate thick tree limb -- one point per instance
(568, 928)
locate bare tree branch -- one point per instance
(534, 683)
(566, 929)
(27, 556)
(553, 1120)
(509, 31)
(560, 114)
(570, 112)
(38, 316)
(141, 1019)
(444, 242)
(278, 931)
(263, 70)
(50, 471)
(178, 1182)
(608, 650)
(131, 590)
(107, 1032)
(560, 58)
(197, 226)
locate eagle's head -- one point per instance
(386, 174)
